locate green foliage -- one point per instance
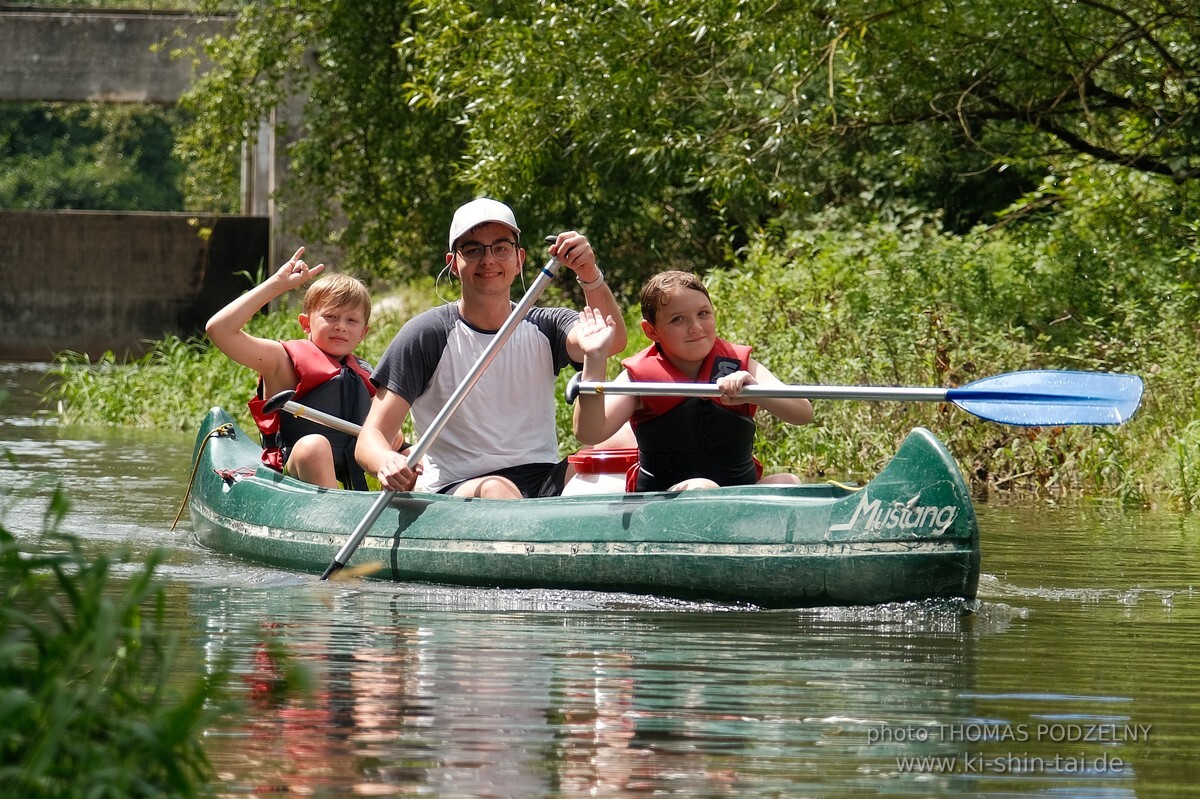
(676, 132)
(660, 128)
(89, 157)
(1184, 459)
(1115, 81)
(153, 391)
(92, 696)
(377, 171)
(880, 192)
(898, 301)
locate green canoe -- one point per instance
(909, 534)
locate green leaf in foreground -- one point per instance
(93, 699)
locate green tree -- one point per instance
(675, 132)
(378, 172)
(662, 128)
(89, 157)
(1118, 81)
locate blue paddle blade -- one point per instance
(1049, 398)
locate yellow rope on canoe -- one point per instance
(844, 486)
(223, 431)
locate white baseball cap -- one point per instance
(477, 212)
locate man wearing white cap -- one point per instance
(501, 443)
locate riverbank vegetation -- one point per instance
(94, 701)
(894, 302)
(877, 194)
(100, 695)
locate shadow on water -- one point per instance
(1071, 675)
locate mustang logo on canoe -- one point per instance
(871, 515)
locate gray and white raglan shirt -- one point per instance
(508, 418)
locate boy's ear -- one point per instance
(303, 320)
(650, 332)
(450, 263)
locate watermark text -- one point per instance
(1016, 733)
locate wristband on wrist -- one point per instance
(594, 284)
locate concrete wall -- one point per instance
(89, 55)
(98, 281)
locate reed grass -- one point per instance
(892, 302)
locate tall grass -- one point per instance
(178, 380)
(1106, 283)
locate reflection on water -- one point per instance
(1074, 673)
(580, 702)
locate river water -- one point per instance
(1074, 675)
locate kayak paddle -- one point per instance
(283, 402)
(1042, 397)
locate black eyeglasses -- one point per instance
(472, 252)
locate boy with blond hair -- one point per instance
(322, 369)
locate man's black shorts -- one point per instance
(531, 479)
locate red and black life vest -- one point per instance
(342, 389)
(684, 437)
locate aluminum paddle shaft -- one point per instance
(547, 274)
(283, 402)
(1046, 397)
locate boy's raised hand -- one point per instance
(595, 332)
(295, 272)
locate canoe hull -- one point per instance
(909, 534)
